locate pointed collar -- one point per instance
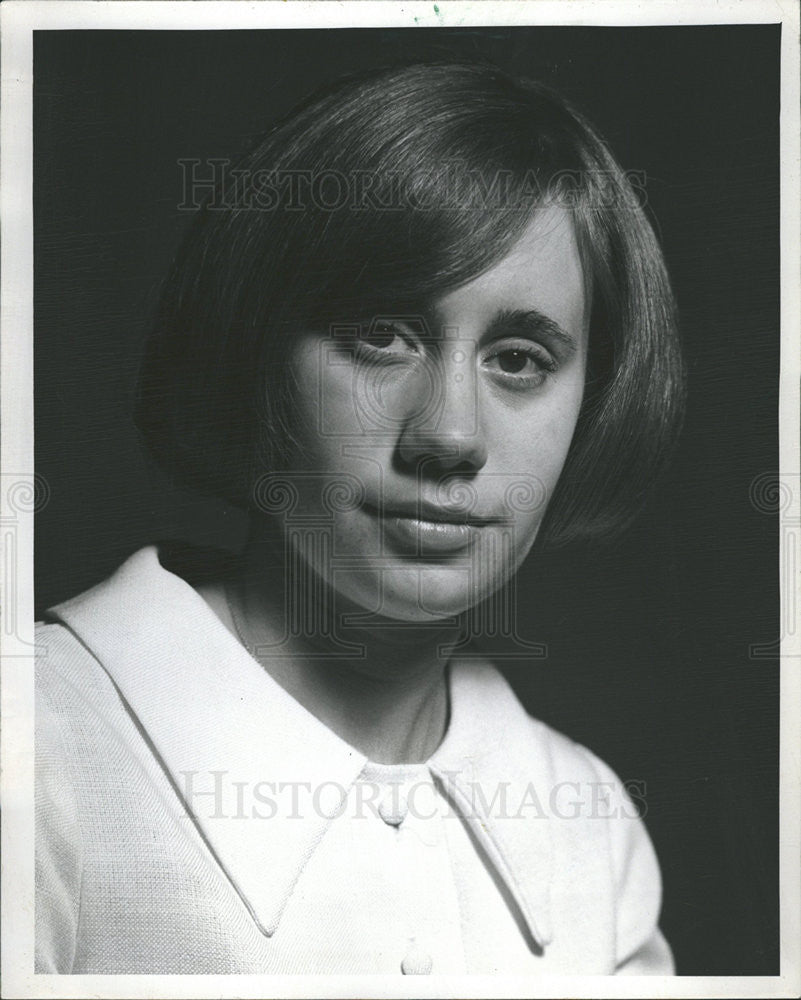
(209, 708)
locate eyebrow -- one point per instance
(529, 323)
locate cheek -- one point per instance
(323, 405)
(336, 401)
(531, 449)
(536, 440)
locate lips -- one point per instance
(425, 528)
(432, 514)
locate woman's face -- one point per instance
(429, 446)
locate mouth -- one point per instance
(423, 528)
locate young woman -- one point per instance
(423, 324)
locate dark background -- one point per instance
(650, 641)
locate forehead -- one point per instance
(542, 271)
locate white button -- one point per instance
(417, 962)
(393, 807)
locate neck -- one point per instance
(381, 687)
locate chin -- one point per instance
(420, 594)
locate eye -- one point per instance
(520, 362)
(513, 361)
(388, 336)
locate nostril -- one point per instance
(433, 456)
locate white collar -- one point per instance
(206, 705)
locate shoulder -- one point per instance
(63, 685)
(70, 684)
(61, 657)
(82, 733)
(487, 713)
(129, 618)
(592, 810)
(85, 732)
(559, 818)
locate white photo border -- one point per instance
(19, 20)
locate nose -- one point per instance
(444, 432)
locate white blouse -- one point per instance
(192, 817)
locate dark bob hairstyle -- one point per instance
(382, 194)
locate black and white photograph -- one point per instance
(400, 468)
